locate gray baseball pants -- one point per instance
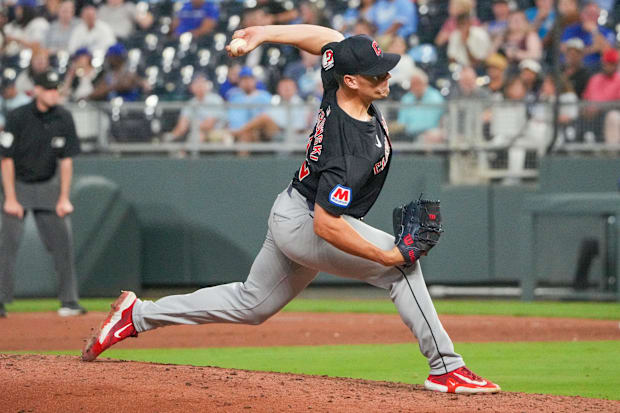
(290, 258)
(56, 234)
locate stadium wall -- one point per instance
(202, 221)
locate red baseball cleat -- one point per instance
(117, 326)
(461, 380)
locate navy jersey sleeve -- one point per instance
(327, 67)
(341, 181)
(72, 145)
(7, 137)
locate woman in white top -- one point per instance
(28, 29)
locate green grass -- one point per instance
(587, 369)
(606, 311)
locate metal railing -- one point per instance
(483, 140)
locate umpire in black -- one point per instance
(36, 148)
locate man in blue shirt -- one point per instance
(542, 17)
(422, 110)
(394, 17)
(595, 37)
(198, 17)
(248, 94)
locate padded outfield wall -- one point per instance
(201, 221)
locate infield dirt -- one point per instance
(38, 383)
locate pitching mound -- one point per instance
(65, 384)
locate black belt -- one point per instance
(290, 189)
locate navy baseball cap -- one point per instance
(47, 80)
(361, 55)
(81, 52)
(117, 49)
(246, 71)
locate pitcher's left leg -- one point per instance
(407, 287)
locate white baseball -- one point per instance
(236, 44)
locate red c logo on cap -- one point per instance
(375, 46)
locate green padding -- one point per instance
(106, 243)
(506, 225)
(204, 220)
(579, 174)
(462, 255)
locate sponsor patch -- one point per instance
(6, 139)
(340, 196)
(328, 59)
(58, 142)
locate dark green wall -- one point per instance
(202, 221)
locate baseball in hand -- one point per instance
(237, 44)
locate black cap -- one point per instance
(361, 55)
(47, 80)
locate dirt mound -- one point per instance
(40, 383)
(47, 331)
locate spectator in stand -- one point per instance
(28, 29)
(306, 72)
(247, 93)
(467, 86)
(573, 70)
(10, 97)
(363, 26)
(92, 33)
(403, 71)
(497, 27)
(421, 111)
(469, 45)
(394, 17)
(197, 17)
(541, 17)
(123, 17)
(80, 80)
(508, 124)
(455, 8)
(540, 125)
(530, 73)
(596, 38)
(282, 118)
(59, 33)
(117, 80)
(310, 13)
(51, 9)
(568, 15)
(352, 15)
(39, 63)
(232, 82)
(203, 116)
(496, 70)
(605, 87)
(276, 12)
(520, 41)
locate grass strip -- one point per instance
(587, 369)
(592, 310)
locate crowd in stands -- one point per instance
(500, 53)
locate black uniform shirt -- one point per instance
(347, 160)
(35, 140)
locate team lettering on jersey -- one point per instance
(316, 141)
(380, 166)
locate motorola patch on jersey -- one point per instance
(328, 59)
(6, 139)
(340, 196)
(58, 142)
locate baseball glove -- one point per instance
(417, 227)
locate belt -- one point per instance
(289, 190)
